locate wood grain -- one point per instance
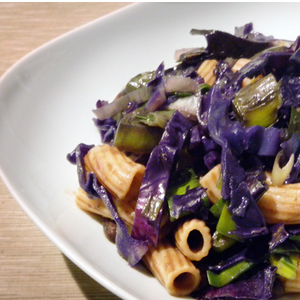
(31, 267)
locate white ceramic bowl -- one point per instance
(45, 111)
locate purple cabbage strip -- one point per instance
(289, 147)
(290, 90)
(233, 139)
(191, 201)
(211, 159)
(141, 95)
(219, 126)
(107, 129)
(246, 214)
(129, 248)
(294, 176)
(85, 180)
(293, 229)
(152, 193)
(203, 148)
(258, 287)
(255, 137)
(151, 200)
(279, 235)
(270, 144)
(222, 44)
(247, 32)
(223, 265)
(256, 184)
(158, 96)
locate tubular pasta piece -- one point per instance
(278, 204)
(239, 64)
(174, 271)
(92, 205)
(126, 210)
(293, 285)
(120, 175)
(209, 182)
(206, 71)
(281, 204)
(193, 239)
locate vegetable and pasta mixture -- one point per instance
(197, 174)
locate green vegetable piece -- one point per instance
(225, 224)
(220, 182)
(133, 136)
(138, 81)
(258, 102)
(221, 242)
(228, 275)
(158, 118)
(295, 238)
(286, 265)
(268, 50)
(294, 123)
(217, 208)
(181, 180)
(178, 185)
(204, 88)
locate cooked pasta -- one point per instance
(278, 204)
(95, 206)
(206, 71)
(193, 239)
(174, 271)
(120, 175)
(218, 108)
(209, 181)
(126, 210)
(281, 204)
(239, 64)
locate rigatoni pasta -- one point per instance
(281, 204)
(118, 173)
(209, 181)
(206, 71)
(193, 239)
(96, 206)
(177, 273)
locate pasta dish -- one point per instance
(197, 174)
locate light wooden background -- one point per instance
(31, 267)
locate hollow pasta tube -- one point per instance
(193, 239)
(174, 271)
(120, 175)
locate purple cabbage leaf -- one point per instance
(258, 287)
(128, 247)
(151, 201)
(85, 179)
(222, 44)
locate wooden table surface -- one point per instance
(31, 267)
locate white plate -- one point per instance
(45, 111)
